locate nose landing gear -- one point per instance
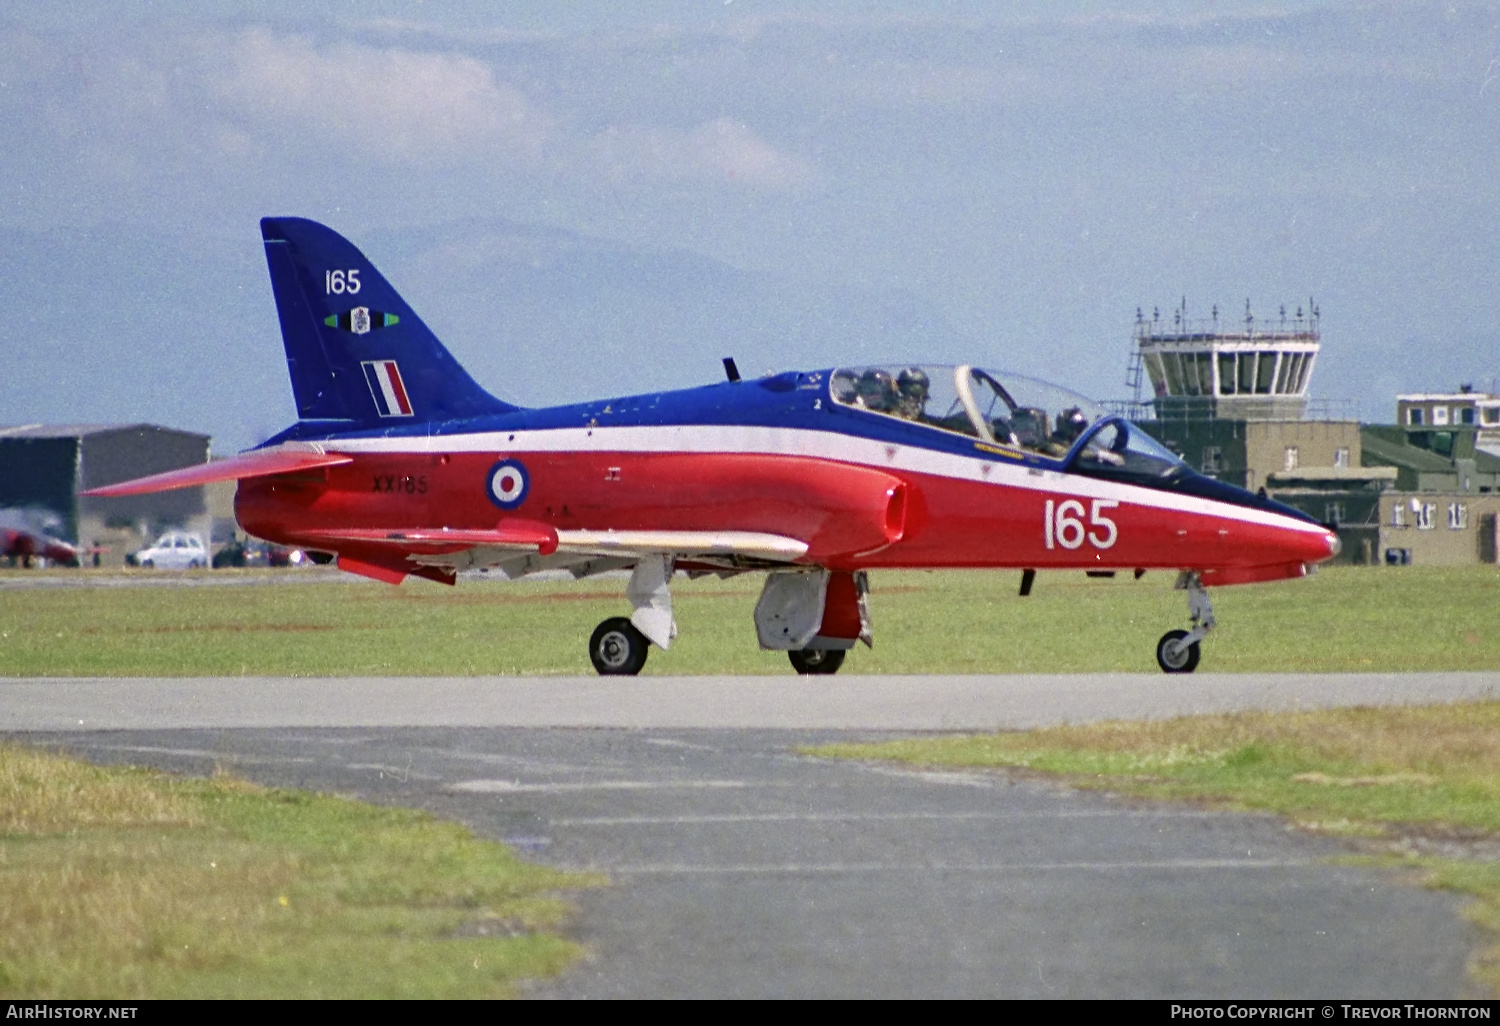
(1178, 651)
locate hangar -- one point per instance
(44, 466)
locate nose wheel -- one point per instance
(1173, 656)
(1178, 651)
(617, 648)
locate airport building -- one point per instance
(1464, 408)
(1445, 450)
(1208, 370)
(1233, 401)
(44, 467)
(1439, 528)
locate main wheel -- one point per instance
(1173, 657)
(816, 660)
(617, 648)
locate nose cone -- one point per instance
(1334, 545)
(1312, 546)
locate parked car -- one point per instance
(175, 550)
(280, 555)
(232, 553)
(256, 553)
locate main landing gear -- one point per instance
(813, 615)
(619, 645)
(1178, 651)
(807, 661)
(618, 648)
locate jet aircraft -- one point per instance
(401, 465)
(26, 534)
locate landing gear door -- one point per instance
(813, 609)
(790, 609)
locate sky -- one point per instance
(591, 198)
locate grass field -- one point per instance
(127, 884)
(1343, 619)
(1418, 789)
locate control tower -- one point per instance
(1205, 370)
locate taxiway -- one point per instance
(742, 867)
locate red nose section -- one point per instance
(1301, 550)
(1334, 545)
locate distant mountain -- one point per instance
(544, 316)
(120, 325)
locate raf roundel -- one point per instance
(508, 484)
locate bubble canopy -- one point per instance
(1010, 411)
(1001, 408)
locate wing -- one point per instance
(684, 544)
(257, 463)
(520, 547)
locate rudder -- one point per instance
(354, 349)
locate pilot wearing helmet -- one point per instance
(875, 390)
(912, 387)
(1070, 424)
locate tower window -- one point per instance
(1264, 374)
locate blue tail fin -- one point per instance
(355, 350)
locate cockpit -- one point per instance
(1010, 414)
(1010, 411)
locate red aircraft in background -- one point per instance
(400, 464)
(22, 539)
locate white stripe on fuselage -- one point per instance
(737, 439)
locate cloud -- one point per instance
(436, 107)
(427, 107)
(722, 149)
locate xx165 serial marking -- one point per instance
(398, 483)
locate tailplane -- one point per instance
(355, 350)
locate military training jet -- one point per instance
(400, 464)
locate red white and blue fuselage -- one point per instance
(400, 464)
(759, 457)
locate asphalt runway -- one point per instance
(843, 702)
(743, 868)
